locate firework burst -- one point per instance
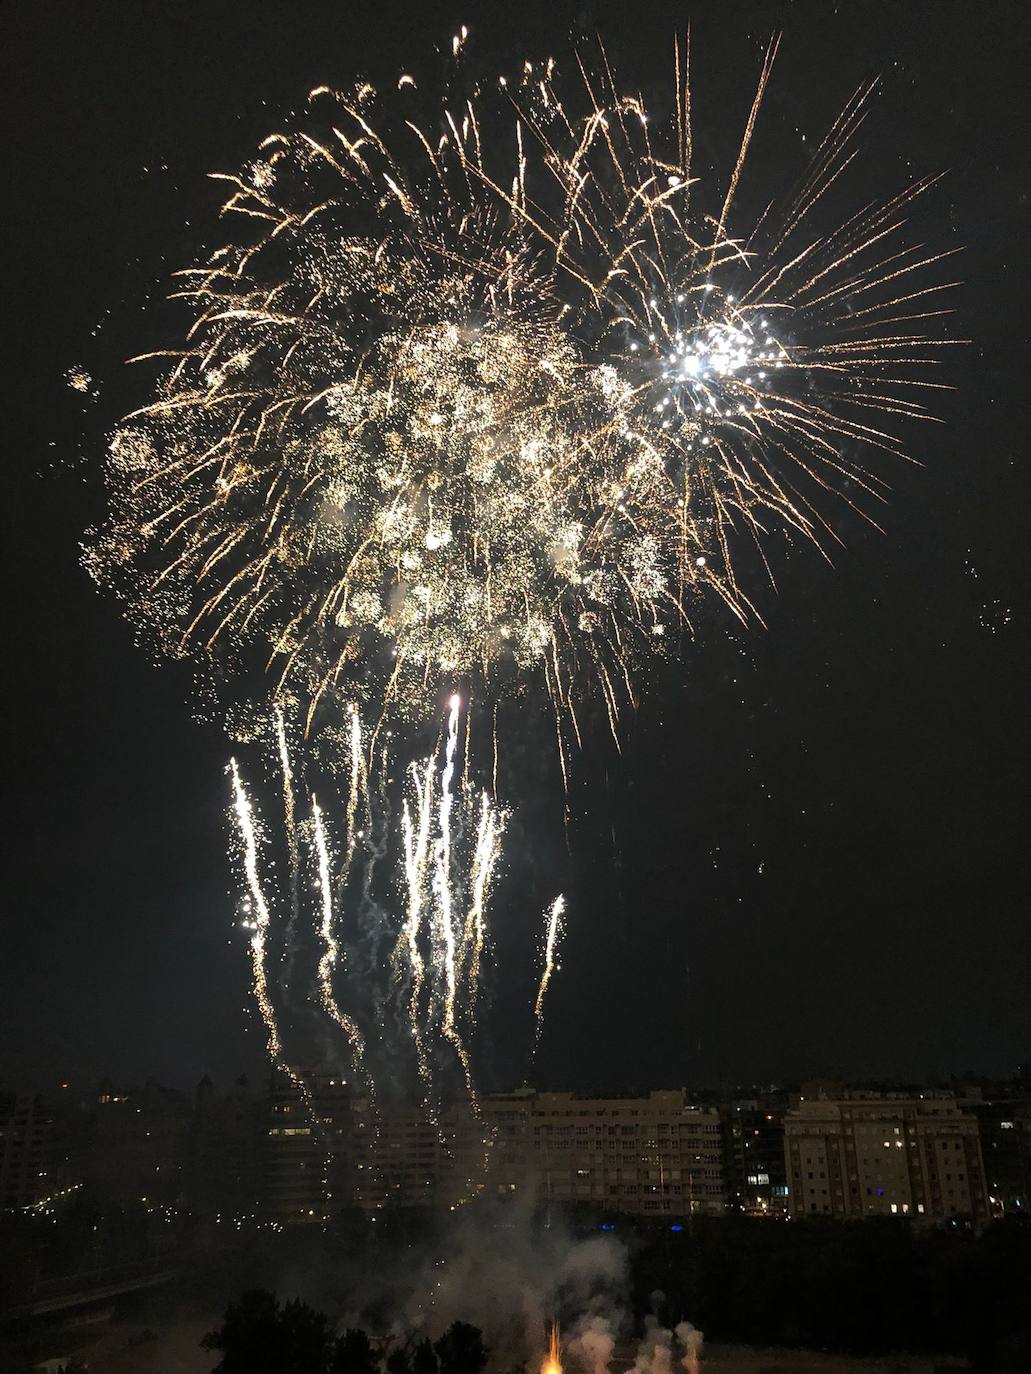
(490, 388)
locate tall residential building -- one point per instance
(307, 1147)
(26, 1151)
(853, 1153)
(755, 1176)
(1003, 1112)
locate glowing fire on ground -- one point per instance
(552, 1364)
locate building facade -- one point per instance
(651, 1156)
(26, 1152)
(851, 1153)
(1003, 1113)
(307, 1147)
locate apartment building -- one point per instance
(658, 1155)
(851, 1153)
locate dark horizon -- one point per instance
(809, 858)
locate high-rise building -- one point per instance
(1003, 1112)
(26, 1151)
(403, 1157)
(854, 1153)
(307, 1146)
(755, 1176)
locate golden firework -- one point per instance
(490, 389)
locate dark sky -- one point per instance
(811, 856)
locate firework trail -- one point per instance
(488, 849)
(552, 934)
(262, 919)
(259, 955)
(331, 950)
(445, 931)
(357, 772)
(416, 849)
(437, 884)
(290, 823)
(449, 836)
(442, 891)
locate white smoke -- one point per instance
(691, 1339)
(591, 1344)
(504, 1272)
(656, 1350)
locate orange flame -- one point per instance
(552, 1364)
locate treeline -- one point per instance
(260, 1335)
(865, 1287)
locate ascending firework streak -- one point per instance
(552, 933)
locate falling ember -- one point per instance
(439, 883)
(448, 835)
(79, 380)
(552, 932)
(552, 1363)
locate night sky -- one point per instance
(810, 857)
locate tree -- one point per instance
(461, 1350)
(259, 1337)
(424, 1358)
(399, 1361)
(305, 1339)
(353, 1354)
